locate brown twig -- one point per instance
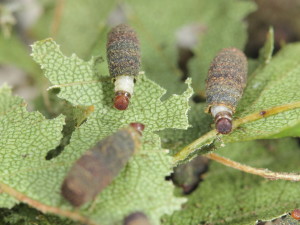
(45, 208)
(257, 171)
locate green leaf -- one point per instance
(224, 29)
(157, 36)
(266, 52)
(231, 197)
(222, 20)
(75, 35)
(269, 108)
(25, 140)
(14, 52)
(143, 179)
(273, 89)
(176, 139)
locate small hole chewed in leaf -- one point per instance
(80, 85)
(97, 168)
(137, 218)
(124, 60)
(225, 84)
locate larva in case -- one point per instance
(188, 175)
(97, 168)
(224, 86)
(124, 60)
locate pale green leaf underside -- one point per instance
(25, 140)
(81, 85)
(138, 186)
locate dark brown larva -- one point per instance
(188, 175)
(296, 214)
(96, 169)
(225, 84)
(137, 218)
(124, 60)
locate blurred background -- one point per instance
(81, 26)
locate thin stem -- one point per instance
(209, 137)
(45, 208)
(248, 169)
(265, 113)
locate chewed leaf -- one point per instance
(25, 140)
(140, 187)
(80, 85)
(145, 173)
(175, 139)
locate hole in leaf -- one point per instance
(198, 99)
(187, 38)
(75, 117)
(184, 55)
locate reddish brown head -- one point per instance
(121, 100)
(223, 122)
(296, 214)
(139, 127)
(224, 126)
